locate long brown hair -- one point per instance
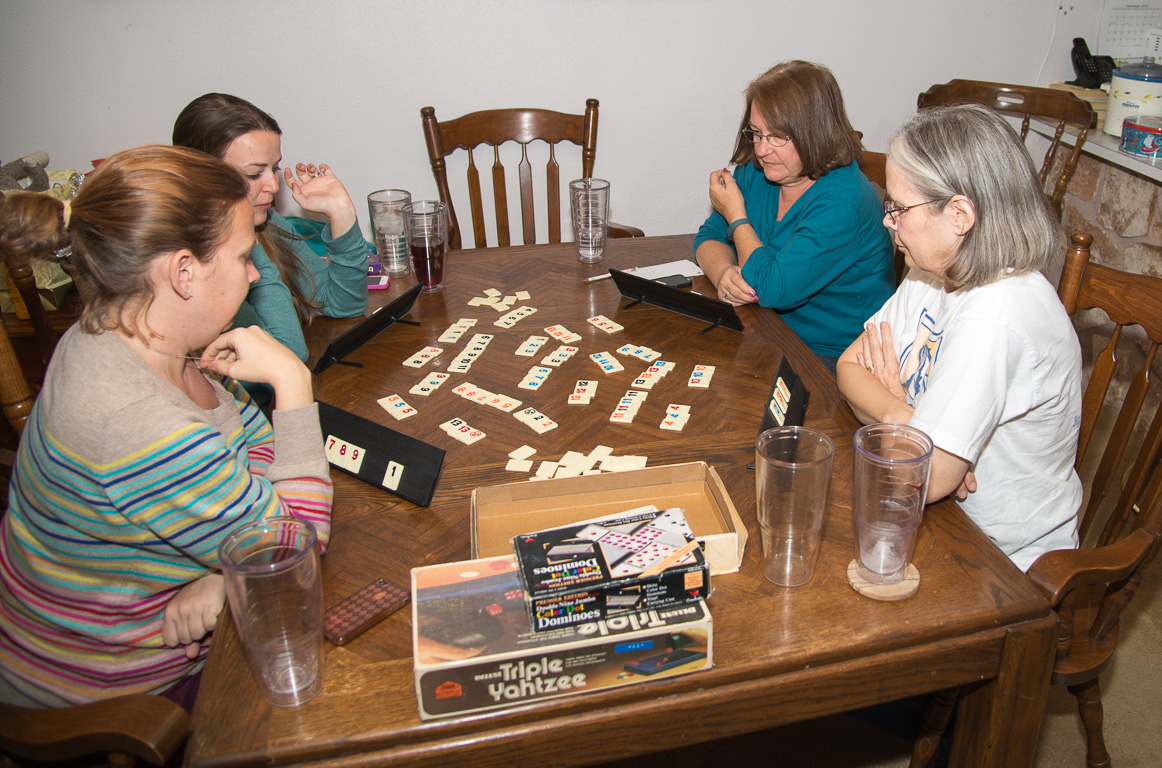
(210, 123)
(802, 101)
(137, 205)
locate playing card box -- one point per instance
(475, 649)
(500, 512)
(640, 560)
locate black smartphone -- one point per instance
(675, 281)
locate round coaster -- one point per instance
(901, 590)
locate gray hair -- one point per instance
(969, 150)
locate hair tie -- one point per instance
(67, 211)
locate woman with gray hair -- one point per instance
(975, 348)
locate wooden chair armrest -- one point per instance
(151, 727)
(1058, 572)
(624, 230)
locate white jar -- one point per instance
(1135, 91)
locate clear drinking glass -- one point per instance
(427, 236)
(793, 476)
(589, 207)
(891, 468)
(386, 209)
(273, 585)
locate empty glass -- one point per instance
(589, 207)
(891, 483)
(793, 476)
(275, 591)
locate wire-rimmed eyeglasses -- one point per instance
(895, 211)
(754, 137)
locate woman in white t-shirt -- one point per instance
(974, 348)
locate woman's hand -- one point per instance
(726, 197)
(318, 190)
(252, 354)
(967, 486)
(879, 358)
(732, 288)
(192, 613)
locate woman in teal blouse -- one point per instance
(295, 284)
(797, 226)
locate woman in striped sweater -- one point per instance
(141, 452)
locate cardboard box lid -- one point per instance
(500, 512)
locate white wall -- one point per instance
(346, 78)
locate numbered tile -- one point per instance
(393, 476)
(423, 357)
(783, 388)
(343, 454)
(396, 407)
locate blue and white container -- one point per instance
(1135, 91)
(1142, 138)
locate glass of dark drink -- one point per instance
(427, 236)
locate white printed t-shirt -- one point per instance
(994, 375)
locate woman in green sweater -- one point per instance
(796, 227)
(295, 284)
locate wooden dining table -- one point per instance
(780, 655)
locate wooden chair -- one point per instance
(1060, 107)
(1090, 587)
(16, 396)
(124, 729)
(874, 166)
(524, 126)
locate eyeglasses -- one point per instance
(895, 211)
(754, 137)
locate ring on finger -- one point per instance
(871, 369)
(318, 173)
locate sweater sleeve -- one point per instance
(269, 306)
(714, 228)
(340, 281)
(193, 486)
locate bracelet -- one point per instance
(735, 225)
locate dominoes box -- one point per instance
(640, 560)
(477, 607)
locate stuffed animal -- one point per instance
(31, 168)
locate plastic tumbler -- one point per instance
(386, 209)
(275, 593)
(793, 475)
(589, 207)
(891, 483)
(427, 235)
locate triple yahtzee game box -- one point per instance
(643, 559)
(475, 649)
